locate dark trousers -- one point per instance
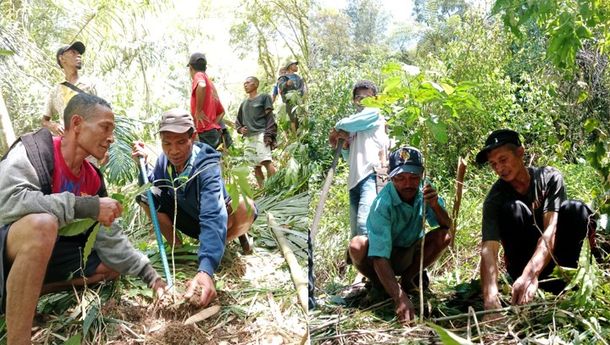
(520, 236)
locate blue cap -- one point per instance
(406, 160)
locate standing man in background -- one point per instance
(69, 59)
(365, 148)
(206, 109)
(255, 121)
(276, 87)
(292, 89)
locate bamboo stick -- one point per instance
(296, 272)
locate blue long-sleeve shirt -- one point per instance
(202, 198)
(365, 120)
(368, 142)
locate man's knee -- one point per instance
(34, 234)
(441, 238)
(358, 248)
(247, 207)
(575, 209)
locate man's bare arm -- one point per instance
(404, 307)
(431, 198)
(200, 115)
(526, 285)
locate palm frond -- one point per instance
(120, 168)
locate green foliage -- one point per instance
(567, 25)
(90, 243)
(237, 184)
(599, 158)
(367, 21)
(74, 340)
(448, 337)
(424, 112)
(76, 227)
(587, 277)
(265, 21)
(119, 169)
(436, 12)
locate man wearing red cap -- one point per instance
(69, 59)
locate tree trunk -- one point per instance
(7, 134)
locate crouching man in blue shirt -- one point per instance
(203, 206)
(395, 231)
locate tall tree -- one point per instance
(330, 39)
(431, 12)
(368, 21)
(7, 134)
(264, 23)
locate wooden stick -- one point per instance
(296, 272)
(324, 193)
(459, 184)
(202, 315)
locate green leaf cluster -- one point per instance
(568, 25)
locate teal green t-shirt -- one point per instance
(394, 223)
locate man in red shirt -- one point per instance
(206, 108)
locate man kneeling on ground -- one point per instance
(527, 211)
(395, 231)
(47, 184)
(204, 207)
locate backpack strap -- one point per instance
(72, 86)
(39, 148)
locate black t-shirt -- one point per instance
(253, 113)
(545, 194)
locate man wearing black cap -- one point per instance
(206, 109)
(291, 85)
(69, 59)
(395, 231)
(527, 211)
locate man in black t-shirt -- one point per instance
(256, 122)
(527, 211)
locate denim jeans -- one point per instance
(360, 199)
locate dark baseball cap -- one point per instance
(196, 57)
(406, 160)
(76, 45)
(176, 121)
(496, 139)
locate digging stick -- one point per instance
(329, 179)
(296, 272)
(459, 184)
(318, 216)
(155, 221)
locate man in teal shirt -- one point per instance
(395, 230)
